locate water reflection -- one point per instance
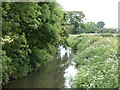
(55, 74)
(70, 71)
(62, 51)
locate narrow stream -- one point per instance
(56, 74)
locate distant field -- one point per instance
(87, 34)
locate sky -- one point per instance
(95, 10)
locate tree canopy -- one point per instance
(100, 25)
(91, 27)
(31, 33)
(75, 19)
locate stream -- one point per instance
(55, 74)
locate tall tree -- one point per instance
(75, 18)
(101, 25)
(31, 33)
(91, 27)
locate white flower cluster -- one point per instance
(7, 39)
(98, 65)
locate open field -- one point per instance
(87, 34)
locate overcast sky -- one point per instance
(95, 10)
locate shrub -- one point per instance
(118, 35)
(39, 57)
(6, 67)
(107, 35)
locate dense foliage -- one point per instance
(100, 24)
(91, 27)
(97, 62)
(110, 30)
(74, 21)
(31, 33)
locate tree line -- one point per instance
(74, 23)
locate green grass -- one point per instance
(97, 62)
(72, 36)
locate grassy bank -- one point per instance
(97, 61)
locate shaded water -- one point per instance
(55, 74)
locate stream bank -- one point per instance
(55, 74)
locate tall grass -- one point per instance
(97, 62)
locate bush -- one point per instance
(18, 50)
(39, 57)
(6, 67)
(118, 35)
(107, 35)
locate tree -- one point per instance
(101, 25)
(31, 33)
(75, 18)
(110, 30)
(91, 27)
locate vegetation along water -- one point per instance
(97, 61)
(44, 46)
